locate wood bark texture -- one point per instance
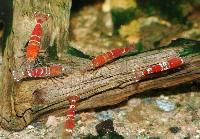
(55, 31)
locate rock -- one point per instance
(52, 121)
(105, 127)
(38, 125)
(30, 127)
(175, 129)
(165, 105)
(148, 100)
(104, 115)
(125, 4)
(134, 102)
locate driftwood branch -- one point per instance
(107, 85)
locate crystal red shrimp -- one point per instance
(109, 56)
(162, 66)
(70, 123)
(33, 46)
(170, 64)
(38, 72)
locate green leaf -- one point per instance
(75, 52)
(190, 46)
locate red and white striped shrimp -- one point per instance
(39, 72)
(33, 46)
(70, 123)
(109, 56)
(170, 64)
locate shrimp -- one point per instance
(104, 58)
(39, 72)
(170, 64)
(70, 123)
(33, 47)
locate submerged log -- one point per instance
(107, 85)
(22, 102)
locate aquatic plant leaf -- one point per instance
(191, 46)
(75, 52)
(184, 42)
(52, 52)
